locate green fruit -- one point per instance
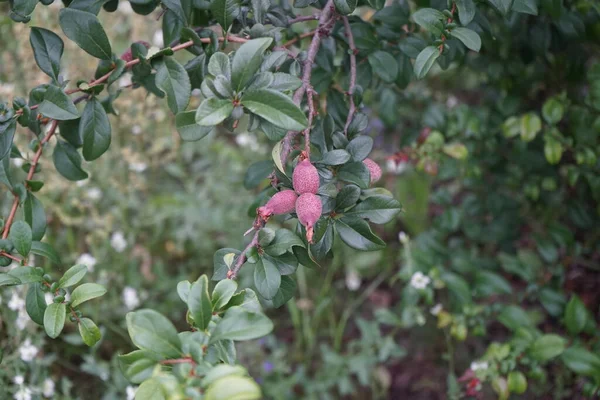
(517, 383)
(59, 299)
(5, 261)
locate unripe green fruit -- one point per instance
(305, 178)
(59, 299)
(39, 270)
(374, 169)
(517, 383)
(79, 314)
(54, 286)
(5, 261)
(309, 208)
(47, 278)
(237, 113)
(72, 318)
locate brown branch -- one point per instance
(232, 274)
(299, 37)
(311, 113)
(326, 20)
(352, 86)
(303, 18)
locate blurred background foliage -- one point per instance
(505, 236)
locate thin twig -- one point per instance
(303, 18)
(299, 37)
(352, 86)
(232, 274)
(311, 113)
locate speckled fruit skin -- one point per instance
(374, 169)
(308, 208)
(281, 203)
(305, 178)
(127, 56)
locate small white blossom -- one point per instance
(16, 302)
(353, 280)
(479, 366)
(48, 387)
(419, 281)
(18, 162)
(130, 298)
(88, 260)
(18, 380)
(435, 310)
(24, 393)
(136, 130)
(403, 237)
(93, 193)
(130, 391)
(27, 351)
(118, 242)
(138, 166)
(22, 319)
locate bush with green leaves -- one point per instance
(316, 78)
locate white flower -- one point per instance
(48, 387)
(136, 130)
(138, 166)
(27, 351)
(130, 391)
(22, 319)
(419, 281)
(247, 140)
(479, 366)
(93, 193)
(18, 380)
(88, 260)
(435, 310)
(118, 242)
(403, 237)
(16, 302)
(130, 298)
(18, 162)
(157, 39)
(353, 280)
(23, 394)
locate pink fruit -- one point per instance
(281, 203)
(305, 178)
(374, 169)
(308, 208)
(127, 56)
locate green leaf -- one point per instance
(137, 366)
(188, 129)
(199, 303)
(531, 124)
(54, 319)
(151, 331)
(525, 7)
(233, 387)
(9, 280)
(35, 303)
(68, 161)
(355, 172)
(582, 361)
(276, 108)
(345, 7)
(377, 209)
(458, 288)
(176, 7)
(247, 60)
(553, 111)
(238, 323)
(21, 10)
(282, 82)
(95, 130)
(283, 242)
(357, 234)
(27, 274)
(222, 293)
(173, 80)
(219, 64)
(57, 105)
(91, 6)
(384, 65)
(469, 37)
(547, 347)
(430, 19)
(514, 317)
(89, 331)
(335, 157)
(347, 197)
(222, 260)
(286, 291)
(488, 283)
(267, 278)
(45, 250)
(85, 292)
(20, 234)
(33, 212)
(225, 11)
(4, 162)
(150, 390)
(360, 147)
(86, 30)
(72, 276)
(256, 173)
(466, 11)
(7, 133)
(47, 49)
(502, 5)
(246, 299)
(576, 315)
(213, 111)
(425, 61)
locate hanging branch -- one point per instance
(353, 53)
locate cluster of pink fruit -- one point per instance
(303, 199)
